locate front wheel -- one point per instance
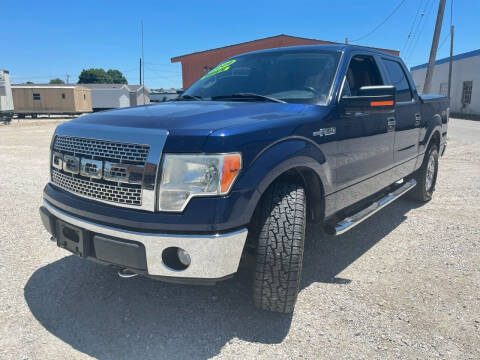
(426, 176)
(279, 249)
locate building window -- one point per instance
(64, 96)
(444, 89)
(467, 92)
(36, 96)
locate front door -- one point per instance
(365, 140)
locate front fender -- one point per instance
(280, 157)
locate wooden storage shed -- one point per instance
(35, 99)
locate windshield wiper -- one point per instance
(251, 96)
(187, 97)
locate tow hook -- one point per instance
(126, 274)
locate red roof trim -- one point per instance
(179, 58)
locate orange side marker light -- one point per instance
(381, 103)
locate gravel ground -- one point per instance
(404, 284)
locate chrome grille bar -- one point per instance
(101, 148)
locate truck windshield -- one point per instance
(294, 77)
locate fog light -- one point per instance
(183, 256)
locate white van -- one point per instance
(6, 99)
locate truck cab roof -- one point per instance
(346, 48)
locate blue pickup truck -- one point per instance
(238, 165)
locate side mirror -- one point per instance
(370, 98)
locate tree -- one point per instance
(57, 81)
(117, 77)
(29, 82)
(100, 76)
(94, 76)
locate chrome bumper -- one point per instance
(212, 256)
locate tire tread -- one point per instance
(279, 253)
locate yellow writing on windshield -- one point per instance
(220, 68)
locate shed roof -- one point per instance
(138, 87)
(104, 86)
(131, 88)
(50, 86)
(461, 56)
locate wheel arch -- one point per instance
(294, 160)
(432, 137)
(435, 139)
(313, 186)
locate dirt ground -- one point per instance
(403, 284)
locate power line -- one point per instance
(163, 77)
(427, 13)
(383, 22)
(418, 27)
(412, 26)
(444, 41)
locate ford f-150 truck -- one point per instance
(237, 165)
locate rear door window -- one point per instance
(398, 79)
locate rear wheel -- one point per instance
(279, 249)
(426, 176)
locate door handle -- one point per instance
(418, 118)
(391, 123)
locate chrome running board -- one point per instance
(352, 221)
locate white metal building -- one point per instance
(465, 90)
(6, 99)
(139, 95)
(114, 96)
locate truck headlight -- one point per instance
(186, 176)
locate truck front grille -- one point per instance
(123, 194)
(126, 191)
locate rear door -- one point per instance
(407, 117)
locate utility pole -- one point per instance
(433, 50)
(452, 30)
(346, 40)
(68, 77)
(143, 72)
(143, 60)
(140, 71)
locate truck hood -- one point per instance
(189, 123)
(202, 117)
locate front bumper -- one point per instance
(213, 257)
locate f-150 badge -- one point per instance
(325, 132)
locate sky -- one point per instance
(47, 39)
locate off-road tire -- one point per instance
(279, 249)
(420, 192)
